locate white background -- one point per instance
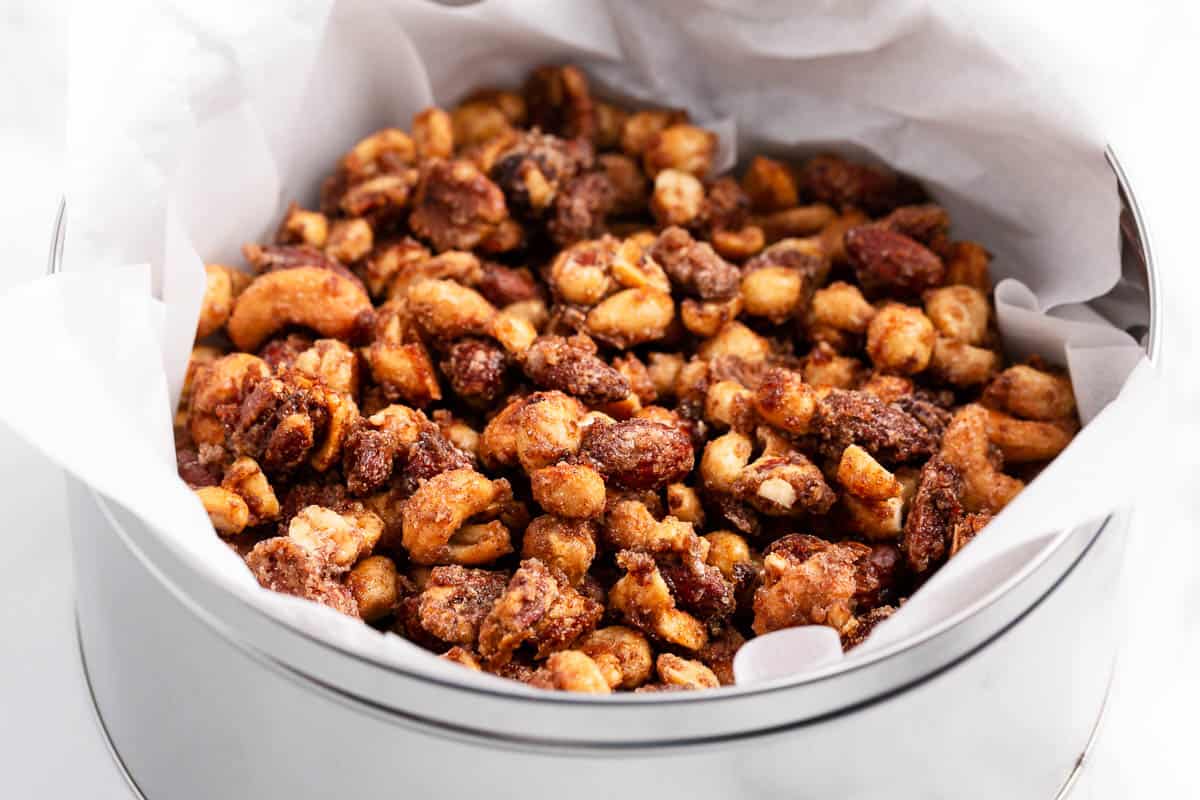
(49, 745)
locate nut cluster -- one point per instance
(536, 390)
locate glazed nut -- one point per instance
(220, 291)
(1022, 441)
(463, 657)
(372, 581)
(282, 564)
(514, 332)
(332, 363)
(580, 273)
(573, 491)
(726, 550)
(446, 309)
(960, 313)
(724, 459)
(436, 520)
(546, 429)
(840, 306)
(685, 673)
(629, 525)
(532, 311)
(403, 371)
(833, 234)
(456, 207)
(706, 318)
(683, 503)
(246, 479)
(664, 370)
(339, 538)
(785, 484)
(226, 509)
(477, 122)
(967, 264)
(877, 520)
(568, 545)
(645, 602)
(770, 185)
(961, 364)
(219, 384)
(784, 400)
(558, 100)
(632, 317)
(433, 133)
(773, 292)
(798, 221)
(350, 240)
(622, 654)
(814, 587)
(965, 446)
(677, 198)
(455, 600)
(730, 405)
(682, 147)
(571, 671)
(823, 367)
(386, 146)
(301, 226)
(885, 260)
(1030, 393)
(740, 244)
(641, 127)
(735, 339)
(900, 339)
(388, 193)
(455, 265)
(638, 453)
(865, 477)
(332, 304)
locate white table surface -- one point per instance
(49, 743)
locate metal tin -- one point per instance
(205, 696)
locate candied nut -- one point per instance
(773, 292)
(740, 244)
(823, 367)
(219, 295)
(498, 442)
(476, 369)
(933, 513)
(684, 503)
(632, 317)
(581, 208)
(456, 207)
(967, 529)
(958, 312)
(502, 286)
(373, 584)
(886, 261)
(223, 383)
(391, 259)
(622, 654)
(580, 273)
(340, 538)
(927, 223)
(350, 240)
(1030, 393)
(629, 525)
(967, 264)
(514, 333)
(642, 126)
(834, 180)
(535, 167)
(833, 234)
(961, 364)
(644, 601)
(382, 197)
(463, 657)
(300, 226)
(226, 509)
(795, 222)
(730, 405)
(609, 121)
(398, 360)
(808, 581)
(571, 366)
(511, 104)
(682, 147)
(380, 152)
(436, 528)
(457, 432)
(558, 100)
(726, 206)
(327, 302)
(540, 607)
(677, 198)
(664, 369)
(455, 601)
(446, 309)
(706, 318)
(886, 432)
(724, 459)
(635, 373)
(245, 478)
(840, 306)
(784, 485)
(784, 400)
(727, 551)
(455, 265)
(1022, 441)
(965, 446)
(547, 429)
(573, 491)
(735, 339)
(874, 519)
(571, 671)
(685, 673)
(475, 123)
(278, 421)
(769, 185)
(900, 339)
(332, 363)
(638, 453)
(694, 267)
(865, 477)
(282, 564)
(888, 388)
(630, 191)
(433, 134)
(568, 545)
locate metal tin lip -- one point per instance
(524, 694)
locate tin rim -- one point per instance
(1139, 239)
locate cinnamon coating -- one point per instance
(538, 390)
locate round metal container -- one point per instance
(204, 696)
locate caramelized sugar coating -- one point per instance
(538, 390)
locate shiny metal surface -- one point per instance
(205, 696)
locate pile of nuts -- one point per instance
(538, 392)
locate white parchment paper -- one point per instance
(190, 133)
